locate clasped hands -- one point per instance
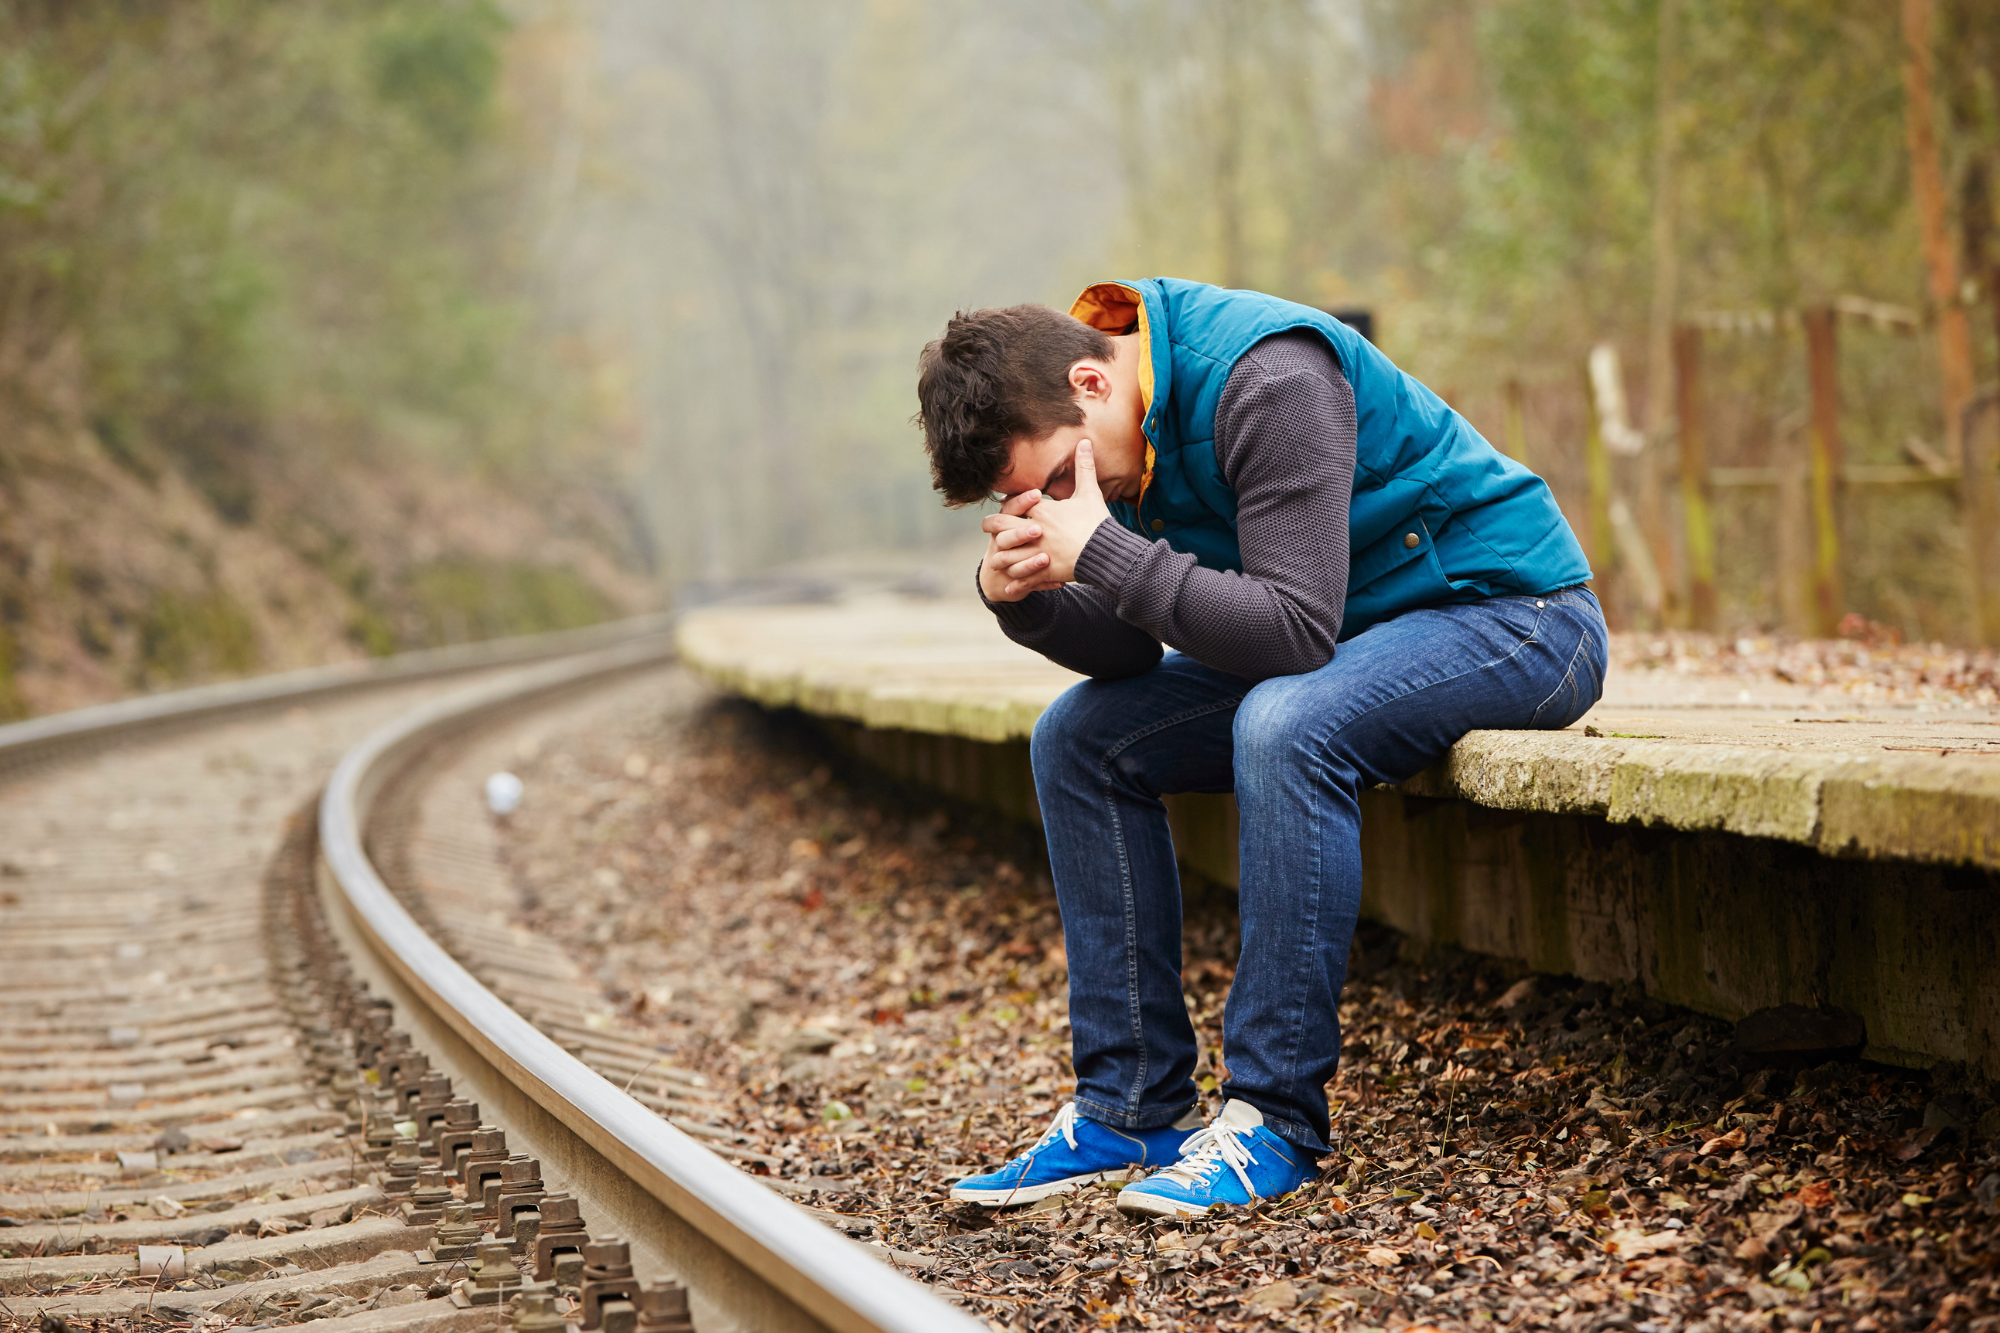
(1034, 541)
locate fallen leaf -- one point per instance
(1427, 1231)
(1637, 1244)
(165, 1207)
(1279, 1295)
(1729, 1142)
(1383, 1258)
(1819, 1194)
(1912, 1146)
(1917, 1200)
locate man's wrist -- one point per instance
(1110, 556)
(1027, 613)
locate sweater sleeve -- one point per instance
(1076, 627)
(1285, 440)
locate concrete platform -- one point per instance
(1727, 846)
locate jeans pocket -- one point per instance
(1582, 683)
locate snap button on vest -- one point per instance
(1159, 525)
(1410, 539)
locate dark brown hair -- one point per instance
(994, 377)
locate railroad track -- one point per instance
(270, 1054)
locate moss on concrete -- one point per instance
(944, 669)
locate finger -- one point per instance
(1034, 564)
(1086, 470)
(1021, 588)
(997, 523)
(1021, 502)
(1017, 536)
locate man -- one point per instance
(1351, 579)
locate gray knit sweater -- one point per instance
(1285, 438)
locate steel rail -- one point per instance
(36, 736)
(750, 1259)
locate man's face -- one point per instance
(1113, 429)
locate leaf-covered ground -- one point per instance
(1870, 665)
(880, 983)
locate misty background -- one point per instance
(346, 328)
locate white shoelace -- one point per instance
(1219, 1144)
(1064, 1124)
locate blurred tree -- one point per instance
(780, 203)
(269, 250)
(1514, 181)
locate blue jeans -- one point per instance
(1297, 751)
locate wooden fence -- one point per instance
(1667, 582)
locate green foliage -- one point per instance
(12, 706)
(185, 637)
(246, 217)
(1488, 175)
(1792, 170)
(438, 63)
(462, 599)
(1484, 169)
(263, 248)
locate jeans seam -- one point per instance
(1134, 1005)
(1568, 681)
(1508, 656)
(1311, 931)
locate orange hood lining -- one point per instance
(1118, 309)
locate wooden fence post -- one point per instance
(1597, 467)
(1694, 478)
(1823, 376)
(1954, 330)
(1796, 608)
(1979, 502)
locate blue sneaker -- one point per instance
(1073, 1152)
(1234, 1160)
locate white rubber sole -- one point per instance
(1154, 1205)
(1026, 1194)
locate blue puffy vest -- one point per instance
(1438, 514)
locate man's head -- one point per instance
(1004, 396)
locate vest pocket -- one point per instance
(1394, 562)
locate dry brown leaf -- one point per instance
(1729, 1142)
(1280, 1295)
(1382, 1257)
(1913, 1145)
(1637, 1244)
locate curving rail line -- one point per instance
(748, 1258)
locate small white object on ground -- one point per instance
(167, 1261)
(503, 793)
